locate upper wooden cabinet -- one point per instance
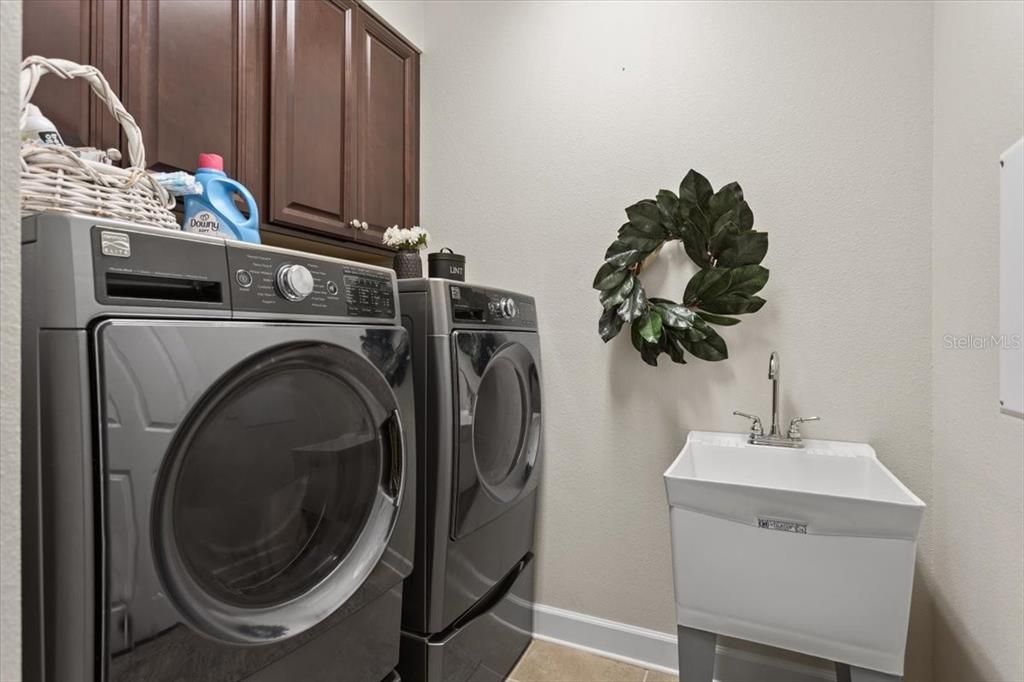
(314, 104)
(86, 32)
(312, 115)
(193, 81)
(387, 129)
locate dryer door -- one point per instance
(499, 429)
(279, 485)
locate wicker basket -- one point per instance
(55, 178)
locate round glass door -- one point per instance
(506, 422)
(279, 493)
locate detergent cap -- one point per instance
(211, 162)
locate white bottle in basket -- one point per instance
(38, 128)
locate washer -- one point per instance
(476, 358)
(217, 483)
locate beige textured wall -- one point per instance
(542, 121)
(977, 509)
(10, 337)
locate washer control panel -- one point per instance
(267, 280)
(475, 305)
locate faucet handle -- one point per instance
(755, 423)
(794, 426)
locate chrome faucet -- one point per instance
(773, 375)
(757, 436)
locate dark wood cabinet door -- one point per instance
(193, 80)
(387, 129)
(82, 31)
(312, 110)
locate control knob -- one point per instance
(507, 307)
(295, 282)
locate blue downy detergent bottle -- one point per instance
(214, 212)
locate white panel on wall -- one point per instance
(1011, 280)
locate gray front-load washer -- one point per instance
(468, 612)
(217, 480)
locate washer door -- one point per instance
(499, 430)
(279, 493)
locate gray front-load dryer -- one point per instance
(218, 483)
(476, 357)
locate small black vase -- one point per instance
(408, 264)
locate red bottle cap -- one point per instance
(211, 162)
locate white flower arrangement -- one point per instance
(406, 238)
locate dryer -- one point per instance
(218, 484)
(476, 358)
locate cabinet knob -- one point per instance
(360, 224)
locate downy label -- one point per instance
(203, 222)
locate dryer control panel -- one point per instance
(492, 307)
(292, 282)
(151, 267)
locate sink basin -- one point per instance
(808, 549)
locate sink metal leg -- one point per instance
(696, 654)
(851, 673)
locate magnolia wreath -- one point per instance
(717, 232)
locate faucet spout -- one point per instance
(773, 374)
(775, 437)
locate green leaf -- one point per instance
(727, 291)
(696, 247)
(748, 279)
(744, 216)
(673, 314)
(724, 231)
(648, 351)
(695, 190)
(621, 255)
(733, 304)
(697, 221)
(672, 342)
(635, 304)
(668, 204)
(736, 248)
(723, 223)
(711, 348)
(610, 325)
(645, 217)
(726, 199)
(614, 297)
(718, 319)
(755, 304)
(637, 340)
(609, 277)
(639, 242)
(695, 237)
(650, 326)
(694, 333)
(707, 285)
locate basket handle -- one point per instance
(33, 68)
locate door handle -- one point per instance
(394, 473)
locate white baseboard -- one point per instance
(657, 650)
(627, 643)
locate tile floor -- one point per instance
(547, 662)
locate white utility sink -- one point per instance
(810, 549)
